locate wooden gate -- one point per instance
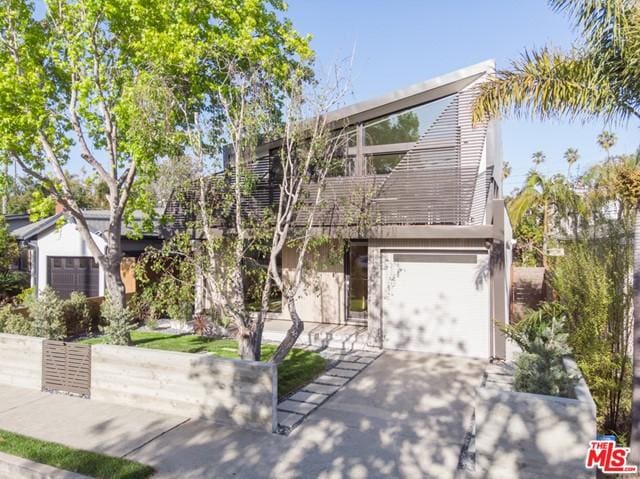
(66, 367)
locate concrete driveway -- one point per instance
(406, 415)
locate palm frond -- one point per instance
(526, 199)
(600, 21)
(548, 83)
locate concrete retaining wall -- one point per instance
(21, 361)
(548, 435)
(193, 385)
(12, 467)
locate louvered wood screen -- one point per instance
(66, 367)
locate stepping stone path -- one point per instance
(346, 366)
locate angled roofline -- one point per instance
(398, 100)
(415, 94)
(27, 232)
(32, 230)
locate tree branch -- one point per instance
(77, 127)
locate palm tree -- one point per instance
(607, 140)
(596, 78)
(538, 158)
(539, 193)
(506, 170)
(571, 156)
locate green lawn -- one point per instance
(299, 367)
(84, 462)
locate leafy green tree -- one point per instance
(74, 77)
(108, 76)
(597, 78)
(41, 206)
(11, 281)
(547, 197)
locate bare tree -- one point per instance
(232, 222)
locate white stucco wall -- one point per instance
(64, 241)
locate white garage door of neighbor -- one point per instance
(436, 303)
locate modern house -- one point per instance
(55, 255)
(431, 271)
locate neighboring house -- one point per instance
(55, 255)
(431, 273)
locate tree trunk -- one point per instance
(249, 343)
(5, 194)
(635, 410)
(293, 333)
(114, 286)
(545, 225)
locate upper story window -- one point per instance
(404, 127)
(375, 147)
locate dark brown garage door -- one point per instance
(66, 274)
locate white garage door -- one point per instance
(436, 302)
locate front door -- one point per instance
(357, 270)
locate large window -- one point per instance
(377, 146)
(404, 127)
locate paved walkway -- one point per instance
(346, 366)
(405, 415)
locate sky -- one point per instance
(394, 44)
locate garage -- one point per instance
(436, 302)
(66, 274)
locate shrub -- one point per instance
(166, 282)
(541, 335)
(76, 314)
(143, 308)
(25, 295)
(593, 282)
(12, 283)
(151, 323)
(542, 375)
(179, 312)
(211, 324)
(12, 322)
(47, 315)
(532, 326)
(118, 321)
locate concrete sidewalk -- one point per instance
(81, 423)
